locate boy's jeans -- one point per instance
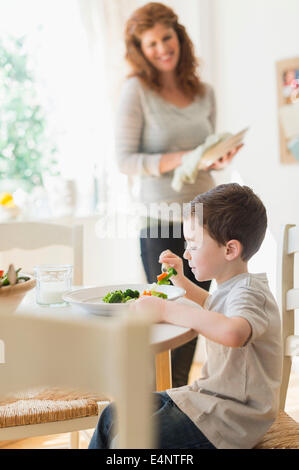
(174, 429)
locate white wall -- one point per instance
(241, 40)
(246, 39)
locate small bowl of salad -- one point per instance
(14, 285)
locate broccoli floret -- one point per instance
(119, 296)
(133, 294)
(107, 297)
(113, 297)
(116, 297)
(172, 272)
(128, 293)
(165, 280)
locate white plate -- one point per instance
(90, 298)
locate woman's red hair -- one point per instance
(145, 18)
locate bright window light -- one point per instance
(69, 89)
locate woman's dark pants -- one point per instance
(151, 247)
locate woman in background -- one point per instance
(165, 111)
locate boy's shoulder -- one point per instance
(249, 281)
(246, 288)
(255, 282)
(248, 296)
(249, 287)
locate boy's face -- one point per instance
(205, 257)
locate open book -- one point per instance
(220, 149)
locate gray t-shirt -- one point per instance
(147, 126)
(236, 400)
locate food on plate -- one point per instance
(118, 296)
(11, 277)
(154, 292)
(163, 278)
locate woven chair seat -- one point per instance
(283, 434)
(48, 406)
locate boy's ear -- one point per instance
(233, 250)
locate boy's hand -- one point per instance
(175, 262)
(150, 305)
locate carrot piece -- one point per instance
(147, 292)
(1, 273)
(161, 276)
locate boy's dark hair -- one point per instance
(233, 212)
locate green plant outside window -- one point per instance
(26, 151)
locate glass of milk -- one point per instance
(52, 281)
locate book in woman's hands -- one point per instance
(226, 144)
(214, 147)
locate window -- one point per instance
(70, 86)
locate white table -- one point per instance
(164, 337)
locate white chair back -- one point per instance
(34, 235)
(107, 355)
(288, 300)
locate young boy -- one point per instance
(235, 401)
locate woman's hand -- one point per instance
(174, 261)
(223, 162)
(152, 306)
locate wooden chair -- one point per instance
(30, 236)
(48, 411)
(284, 433)
(105, 355)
